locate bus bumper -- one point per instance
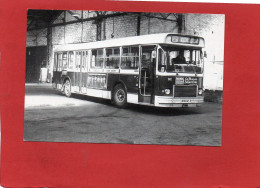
(166, 101)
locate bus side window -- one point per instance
(78, 60)
(97, 58)
(130, 57)
(112, 58)
(71, 60)
(93, 60)
(84, 59)
(60, 61)
(64, 60)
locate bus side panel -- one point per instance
(111, 81)
(131, 82)
(77, 78)
(57, 77)
(84, 79)
(54, 77)
(74, 81)
(71, 76)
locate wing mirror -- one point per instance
(205, 54)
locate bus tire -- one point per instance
(67, 88)
(120, 96)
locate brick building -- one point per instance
(47, 29)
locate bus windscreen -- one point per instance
(180, 59)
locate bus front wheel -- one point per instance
(119, 96)
(67, 88)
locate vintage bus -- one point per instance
(162, 70)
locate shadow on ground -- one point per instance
(160, 111)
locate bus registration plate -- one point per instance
(186, 100)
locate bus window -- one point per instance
(71, 60)
(59, 61)
(97, 58)
(173, 59)
(64, 60)
(84, 59)
(196, 56)
(112, 58)
(130, 57)
(78, 59)
(187, 55)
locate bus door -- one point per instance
(147, 73)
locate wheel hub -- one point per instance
(120, 95)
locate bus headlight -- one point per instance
(167, 91)
(200, 91)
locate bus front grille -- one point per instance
(185, 91)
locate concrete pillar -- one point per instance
(49, 54)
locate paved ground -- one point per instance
(52, 117)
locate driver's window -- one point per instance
(161, 60)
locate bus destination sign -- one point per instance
(185, 39)
(186, 80)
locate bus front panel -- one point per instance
(178, 91)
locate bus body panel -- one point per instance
(112, 80)
(131, 82)
(162, 83)
(56, 77)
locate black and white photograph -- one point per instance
(124, 77)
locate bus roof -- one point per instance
(161, 38)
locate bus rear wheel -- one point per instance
(67, 88)
(119, 96)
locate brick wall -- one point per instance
(155, 25)
(89, 32)
(124, 26)
(211, 27)
(208, 26)
(120, 26)
(36, 38)
(58, 35)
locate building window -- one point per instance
(99, 30)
